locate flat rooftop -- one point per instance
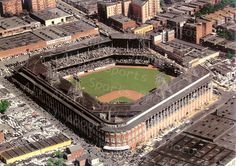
(229, 26)
(50, 33)
(228, 110)
(51, 14)
(12, 22)
(18, 41)
(230, 9)
(167, 15)
(214, 16)
(231, 45)
(211, 127)
(179, 19)
(75, 27)
(139, 2)
(29, 19)
(228, 140)
(186, 8)
(184, 49)
(182, 43)
(213, 39)
(222, 68)
(184, 150)
(109, 3)
(201, 3)
(34, 146)
(120, 18)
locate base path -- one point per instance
(130, 94)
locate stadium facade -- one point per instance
(131, 124)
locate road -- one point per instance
(76, 12)
(69, 8)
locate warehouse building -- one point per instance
(20, 43)
(194, 30)
(52, 35)
(14, 25)
(121, 22)
(185, 53)
(33, 149)
(188, 150)
(43, 37)
(219, 43)
(79, 29)
(51, 16)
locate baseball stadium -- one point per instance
(118, 94)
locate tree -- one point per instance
(50, 162)
(229, 54)
(212, 8)
(223, 33)
(4, 105)
(58, 154)
(58, 162)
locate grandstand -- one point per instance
(114, 126)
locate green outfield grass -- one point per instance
(137, 79)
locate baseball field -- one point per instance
(120, 84)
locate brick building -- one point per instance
(121, 22)
(81, 161)
(107, 9)
(39, 5)
(126, 5)
(143, 10)
(10, 7)
(79, 29)
(228, 14)
(74, 152)
(15, 25)
(20, 43)
(194, 31)
(1, 136)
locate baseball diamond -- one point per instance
(131, 82)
